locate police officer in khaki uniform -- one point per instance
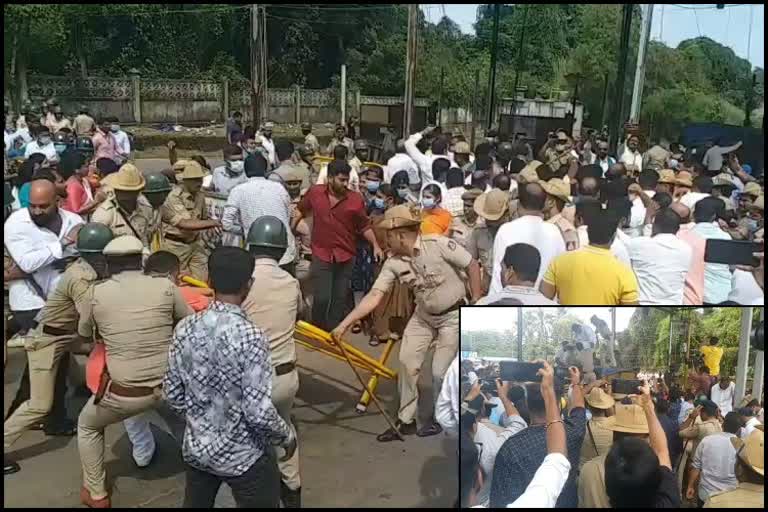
(273, 305)
(307, 155)
(557, 197)
(134, 314)
(309, 138)
(430, 265)
(156, 191)
(750, 472)
(127, 212)
(462, 226)
(293, 183)
(58, 330)
(492, 207)
(183, 214)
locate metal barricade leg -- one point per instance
(365, 399)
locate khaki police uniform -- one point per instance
(52, 341)
(273, 304)
(745, 495)
(433, 275)
(461, 230)
(568, 230)
(140, 223)
(186, 245)
(304, 252)
(480, 247)
(346, 141)
(134, 314)
(311, 141)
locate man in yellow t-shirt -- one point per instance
(592, 275)
(712, 356)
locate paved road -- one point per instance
(342, 464)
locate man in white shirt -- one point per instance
(604, 160)
(447, 405)
(424, 162)
(714, 462)
(529, 228)
(520, 268)
(41, 237)
(43, 144)
(631, 157)
(713, 158)
(701, 188)
(647, 181)
(723, 394)
(265, 136)
(661, 261)
(401, 162)
(750, 421)
(122, 142)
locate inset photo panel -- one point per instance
(607, 407)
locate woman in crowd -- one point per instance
(434, 219)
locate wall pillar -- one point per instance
(136, 85)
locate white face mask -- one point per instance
(236, 166)
(114, 128)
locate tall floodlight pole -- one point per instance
(618, 89)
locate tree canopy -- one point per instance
(563, 46)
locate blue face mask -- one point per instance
(428, 203)
(373, 186)
(60, 147)
(402, 192)
(379, 203)
(752, 225)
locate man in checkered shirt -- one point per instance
(220, 378)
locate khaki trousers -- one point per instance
(43, 366)
(193, 257)
(90, 433)
(422, 332)
(284, 389)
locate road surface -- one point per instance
(342, 464)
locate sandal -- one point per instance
(374, 341)
(357, 328)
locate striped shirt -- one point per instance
(253, 199)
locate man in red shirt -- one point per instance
(338, 218)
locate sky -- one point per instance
(729, 26)
(501, 318)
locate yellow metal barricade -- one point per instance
(321, 341)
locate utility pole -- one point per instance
(440, 98)
(618, 89)
(519, 64)
(255, 65)
(492, 78)
(474, 110)
(410, 69)
(637, 91)
(343, 94)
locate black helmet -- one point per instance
(268, 231)
(93, 237)
(62, 137)
(84, 143)
(360, 144)
(156, 182)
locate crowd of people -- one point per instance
(392, 248)
(576, 442)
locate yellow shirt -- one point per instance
(712, 356)
(591, 275)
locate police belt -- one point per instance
(55, 331)
(133, 392)
(179, 239)
(284, 368)
(461, 302)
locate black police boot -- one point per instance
(10, 467)
(405, 429)
(431, 429)
(289, 497)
